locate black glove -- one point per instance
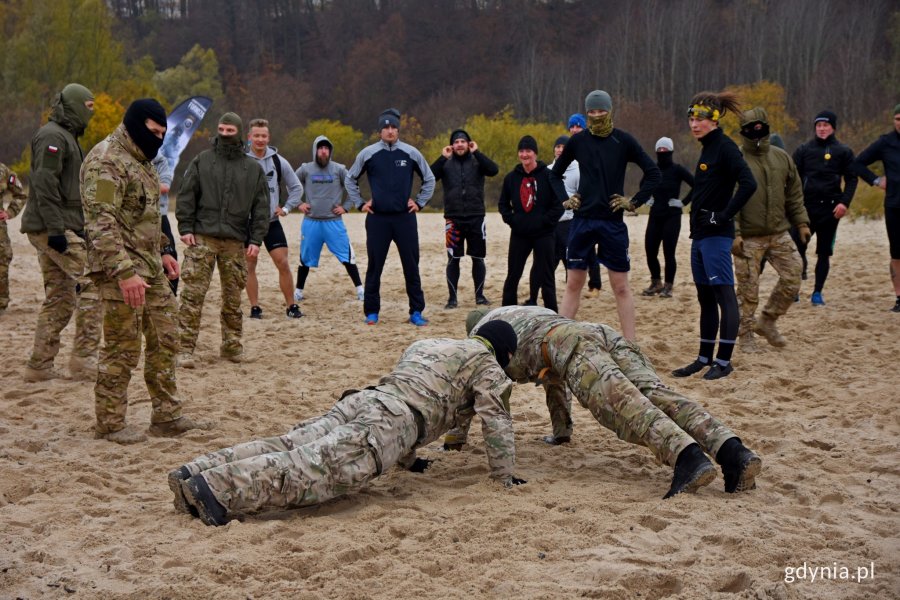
(453, 447)
(514, 481)
(58, 243)
(419, 465)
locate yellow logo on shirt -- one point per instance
(703, 166)
(827, 156)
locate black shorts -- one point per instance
(892, 222)
(275, 238)
(824, 226)
(465, 235)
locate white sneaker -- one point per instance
(298, 295)
(360, 293)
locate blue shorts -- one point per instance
(314, 234)
(711, 261)
(610, 238)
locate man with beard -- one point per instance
(222, 196)
(325, 203)
(120, 190)
(54, 222)
(462, 168)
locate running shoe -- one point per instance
(482, 301)
(293, 312)
(691, 369)
(371, 319)
(255, 312)
(417, 319)
(817, 299)
(718, 371)
(298, 295)
(451, 303)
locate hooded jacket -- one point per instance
(463, 178)
(219, 195)
(291, 183)
(822, 164)
(324, 186)
(521, 188)
(54, 200)
(777, 203)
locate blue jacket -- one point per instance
(390, 169)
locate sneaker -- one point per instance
(255, 312)
(293, 312)
(360, 293)
(482, 301)
(451, 303)
(180, 502)
(896, 308)
(178, 426)
(718, 371)
(530, 303)
(197, 493)
(298, 295)
(417, 319)
(691, 369)
(372, 319)
(817, 299)
(656, 286)
(126, 435)
(666, 291)
(186, 360)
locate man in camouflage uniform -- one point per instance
(10, 188)
(761, 232)
(54, 222)
(224, 194)
(613, 379)
(120, 191)
(437, 383)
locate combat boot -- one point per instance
(740, 466)
(178, 426)
(198, 494)
(180, 502)
(765, 326)
(692, 471)
(656, 286)
(186, 360)
(747, 343)
(33, 375)
(83, 368)
(666, 291)
(124, 436)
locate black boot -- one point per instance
(198, 494)
(692, 471)
(181, 504)
(740, 466)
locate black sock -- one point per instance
(302, 272)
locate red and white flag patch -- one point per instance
(52, 149)
(12, 179)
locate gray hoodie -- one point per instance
(324, 186)
(294, 188)
(166, 174)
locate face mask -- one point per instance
(135, 123)
(600, 126)
(663, 159)
(755, 130)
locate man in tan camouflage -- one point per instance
(10, 189)
(761, 232)
(120, 191)
(613, 379)
(54, 222)
(436, 383)
(223, 196)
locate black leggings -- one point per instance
(716, 300)
(662, 229)
(544, 257)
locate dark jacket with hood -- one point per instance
(777, 203)
(463, 178)
(822, 164)
(527, 202)
(54, 199)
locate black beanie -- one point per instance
(390, 116)
(459, 133)
(134, 121)
(828, 117)
(502, 337)
(561, 141)
(528, 143)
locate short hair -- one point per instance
(259, 123)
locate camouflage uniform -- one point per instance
(610, 377)
(437, 384)
(10, 186)
(120, 192)
(779, 251)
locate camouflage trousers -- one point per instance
(779, 251)
(123, 327)
(196, 273)
(6, 256)
(67, 290)
(613, 379)
(363, 435)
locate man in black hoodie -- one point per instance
(822, 163)
(528, 205)
(462, 168)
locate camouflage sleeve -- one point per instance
(47, 158)
(259, 211)
(13, 187)
(492, 390)
(460, 433)
(102, 190)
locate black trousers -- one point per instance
(544, 260)
(662, 229)
(381, 230)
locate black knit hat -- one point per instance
(528, 143)
(459, 133)
(826, 116)
(502, 337)
(390, 116)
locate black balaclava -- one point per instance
(502, 338)
(135, 123)
(664, 159)
(230, 146)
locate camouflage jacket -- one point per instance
(120, 191)
(448, 382)
(10, 186)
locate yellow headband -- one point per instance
(702, 111)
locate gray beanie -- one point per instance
(390, 116)
(598, 100)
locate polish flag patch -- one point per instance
(52, 149)
(12, 180)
